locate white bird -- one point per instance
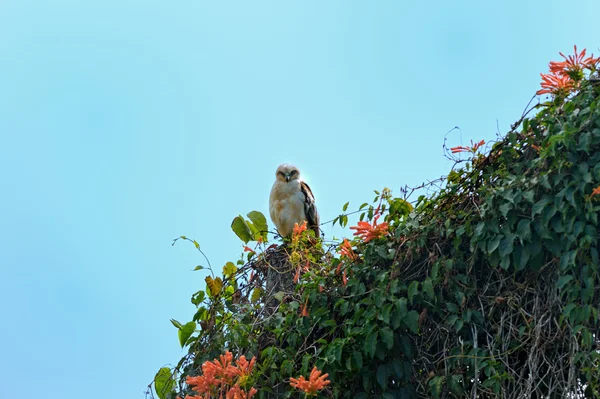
(292, 201)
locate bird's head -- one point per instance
(287, 172)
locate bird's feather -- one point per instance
(310, 209)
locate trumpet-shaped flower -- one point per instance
(298, 229)
(555, 83)
(472, 148)
(572, 63)
(368, 231)
(304, 311)
(564, 76)
(346, 250)
(238, 393)
(220, 377)
(315, 382)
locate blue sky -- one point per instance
(125, 124)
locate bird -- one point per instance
(292, 201)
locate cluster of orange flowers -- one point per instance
(348, 253)
(315, 382)
(221, 379)
(368, 231)
(565, 75)
(472, 148)
(346, 250)
(298, 230)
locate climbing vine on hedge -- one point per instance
(488, 288)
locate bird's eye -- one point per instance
(293, 172)
(280, 173)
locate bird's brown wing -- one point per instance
(310, 208)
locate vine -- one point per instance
(486, 288)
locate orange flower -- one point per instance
(473, 148)
(248, 249)
(299, 229)
(346, 250)
(566, 74)
(553, 83)
(304, 312)
(595, 191)
(459, 148)
(237, 393)
(244, 367)
(572, 63)
(315, 382)
(218, 378)
(344, 278)
(368, 231)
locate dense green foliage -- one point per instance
(487, 288)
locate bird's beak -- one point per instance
(287, 177)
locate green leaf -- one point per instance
(506, 245)
(256, 294)
(399, 314)
(563, 281)
(504, 208)
(435, 269)
(386, 313)
(345, 207)
(413, 289)
(524, 229)
(229, 269)
(260, 222)
(176, 324)
(428, 288)
(241, 229)
(452, 307)
(382, 376)
(198, 267)
(567, 260)
(186, 332)
(406, 347)
(454, 383)
(198, 297)
(436, 384)
(412, 321)
(493, 243)
(540, 205)
(358, 359)
(387, 336)
(370, 343)
(163, 382)
(287, 368)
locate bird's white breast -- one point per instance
(286, 206)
